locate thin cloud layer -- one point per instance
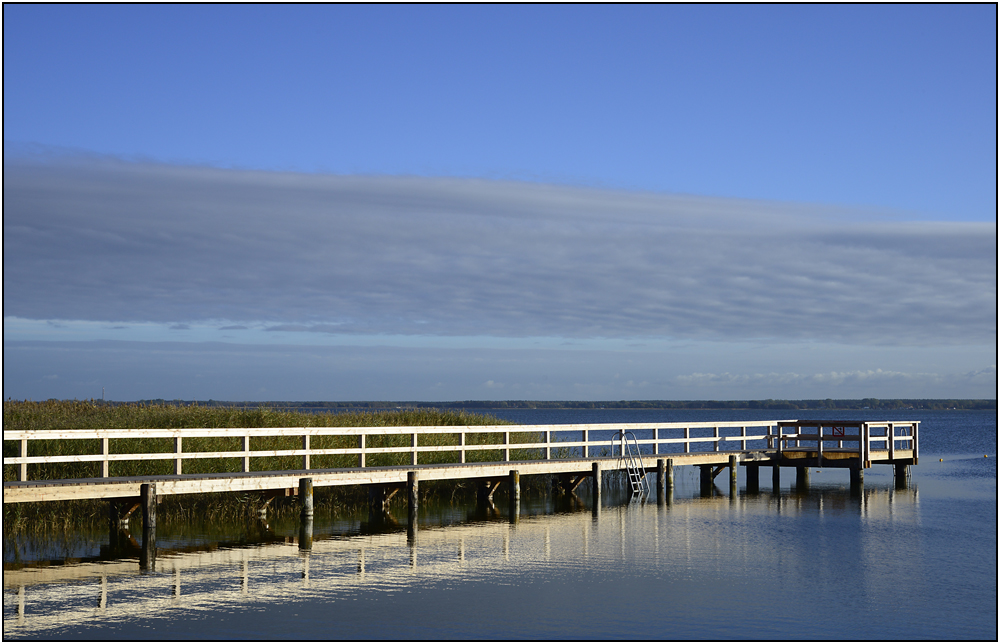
(105, 240)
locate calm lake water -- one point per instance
(913, 563)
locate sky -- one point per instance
(489, 202)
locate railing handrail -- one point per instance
(774, 433)
(189, 432)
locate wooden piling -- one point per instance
(706, 479)
(514, 484)
(595, 469)
(306, 497)
(801, 477)
(147, 497)
(857, 478)
(412, 496)
(661, 480)
(306, 533)
(902, 474)
(775, 478)
(733, 461)
(753, 478)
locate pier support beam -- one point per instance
(514, 484)
(753, 478)
(484, 493)
(775, 478)
(147, 497)
(857, 478)
(664, 479)
(902, 474)
(708, 474)
(306, 498)
(412, 496)
(306, 533)
(732, 475)
(802, 478)
(595, 469)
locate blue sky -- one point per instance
(489, 202)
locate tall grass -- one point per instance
(51, 415)
(72, 515)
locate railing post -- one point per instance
(461, 447)
(864, 445)
(178, 458)
(819, 448)
(687, 439)
(656, 440)
(104, 463)
(715, 434)
(743, 443)
(586, 448)
(890, 433)
(506, 449)
(413, 445)
(305, 457)
(916, 450)
(361, 450)
(23, 474)
(246, 452)
(548, 448)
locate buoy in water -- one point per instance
(941, 459)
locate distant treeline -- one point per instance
(828, 403)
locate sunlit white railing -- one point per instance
(454, 444)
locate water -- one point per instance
(912, 563)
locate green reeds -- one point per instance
(48, 415)
(70, 515)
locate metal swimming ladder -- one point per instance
(629, 455)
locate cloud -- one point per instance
(138, 370)
(106, 240)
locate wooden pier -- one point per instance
(492, 455)
(571, 452)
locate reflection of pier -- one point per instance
(494, 456)
(282, 567)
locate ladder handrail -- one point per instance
(636, 473)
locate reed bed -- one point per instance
(26, 415)
(61, 516)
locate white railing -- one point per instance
(549, 441)
(815, 435)
(541, 441)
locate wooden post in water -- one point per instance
(595, 469)
(706, 479)
(412, 497)
(902, 474)
(802, 478)
(306, 497)
(753, 478)
(306, 533)
(514, 485)
(661, 480)
(857, 477)
(732, 475)
(147, 496)
(775, 478)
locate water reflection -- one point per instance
(715, 533)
